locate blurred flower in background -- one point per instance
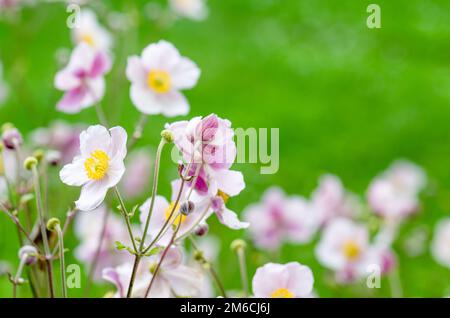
(440, 247)
(192, 9)
(279, 218)
(139, 166)
(91, 32)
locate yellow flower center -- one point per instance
(159, 81)
(223, 195)
(87, 38)
(168, 212)
(351, 249)
(97, 165)
(282, 293)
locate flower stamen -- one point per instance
(97, 165)
(180, 218)
(282, 293)
(351, 250)
(159, 81)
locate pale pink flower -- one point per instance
(331, 200)
(158, 76)
(394, 194)
(343, 246)
(440, 246)
(136, 180)
(291, 280)
(89, 31)
(192, 9)
(98, 167)
(174, 278)
(82, 79)
(89, 228)
(207, 143)
(59, 136)
(280, 218)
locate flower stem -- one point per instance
(243, 269)
(138, 130)
(163, 256)
(133, 275)
(207, 264)
(61, 260)
(37, 190)
(18, 274)
(127, 218)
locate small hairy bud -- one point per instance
(12, 138)
(52, 224)
(238, 244)
(187, 207)
(198, 256)
(201, 230)
(7, 126)
(167, 135)
(30, 254)
(29, 163)
(39, 154)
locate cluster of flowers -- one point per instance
(148, 259)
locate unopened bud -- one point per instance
(30, 254)
(52, 224)
(39, 154)
(29, 163)
(12, 138)
(187, 207)
(237, 245)
(198, 256)
(53, 157)
(168, 136)
(201, 229)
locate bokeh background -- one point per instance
(347, 99)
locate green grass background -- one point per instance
(347, 99)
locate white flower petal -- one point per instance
(92, 195)
(74, 174)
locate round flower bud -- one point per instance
(52, 224)
(238, 244)
(30, 254)
(7, 126)
(201, 230)
(168, 136)
(53, 157)
(12, 138)
(39, 154)
(29, 163)
(187, 207)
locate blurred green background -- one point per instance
(347, 99)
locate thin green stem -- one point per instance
(127, 218)
(37, 190)
(163, 256)
(61, 260)
(138, 130)
(243, 269)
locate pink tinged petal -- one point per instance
(269, 278)
(111, 275)
(92, 195)
(72, 101)
(100, 65)
(158, 215)
(115, 172)
(173, 258)
(229, 181)
(66, 80)
(74, 174)
(231, 220)
(185, 74)
(300, 280)
(136, 71)
(207, 128)
(118, 142)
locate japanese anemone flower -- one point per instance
(157, 77)
(192, 9)
(82, 79)
(98, 167)
(89, 31)
(343, 245)
(291, 280)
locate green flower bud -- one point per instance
(52, 224)
(238, 244)
(168, 136)
(29, 163)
